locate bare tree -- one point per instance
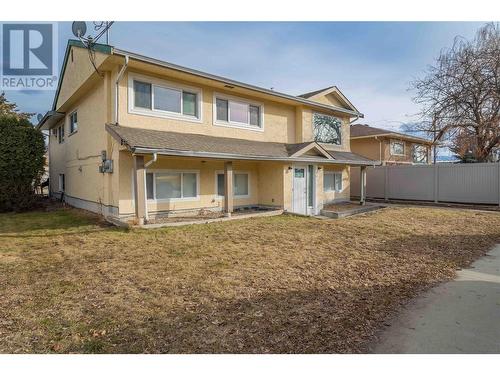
(461, 93)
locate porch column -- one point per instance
(139, 188)
(362, 185)
(228, 187)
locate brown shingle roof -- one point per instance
(204, 146)
(362, 130)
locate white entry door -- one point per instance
(299, 190)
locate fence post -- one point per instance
(386, 184)
(498, 171)
(436, 183)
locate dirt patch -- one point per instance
(282, 284)
(342, 206)
(202, 215)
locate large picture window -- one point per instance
(420, 154)
(327, 129)
(332, 181)
(238, 113)
(171, 185)
(240, 184)
(164, 99)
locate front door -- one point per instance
(299, 190)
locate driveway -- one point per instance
(460, 316)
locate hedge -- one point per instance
(22, 160)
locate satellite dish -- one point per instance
(79, 28)
(39, 117)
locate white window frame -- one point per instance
(414, 146)
(341, 181)
(182, 199)
(217, 196)
(60, 133)
(235, 124)
(397, 141)
(69, 118)
(168, 85)
(61, 188)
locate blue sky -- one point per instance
(371, 62)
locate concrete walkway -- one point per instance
(461, 316)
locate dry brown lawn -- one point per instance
(280, 284)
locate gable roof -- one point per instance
(110, 50)
(231, 82)
(148, 141)
(366, 131)
(103, 48)
(308, 95)
(331, 90)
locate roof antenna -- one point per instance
(79, 28)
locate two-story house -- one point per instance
(135, 137)
(389, 147)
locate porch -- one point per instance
(167, 174)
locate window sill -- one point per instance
(237, 126)
(70, 134)
(221, 197)
(169, 200)
(166, 115)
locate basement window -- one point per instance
(61, 182)
(240, 184)
(332, 181)
(172, 185)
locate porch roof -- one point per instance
(146, 141)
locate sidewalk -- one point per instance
(461, 316)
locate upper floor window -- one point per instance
(73, 122)
(397, 148)
(60, 133)
(164, 99)
(237, 112)
(327, 129)
(420, 154)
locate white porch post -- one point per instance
(228, 187)
(362, 185)
(139, 188)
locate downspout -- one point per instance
(380, 148)
(118, 78)
(155, 158)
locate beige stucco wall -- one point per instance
(282, 123)
(79, 156)
(92, 96)
(368, 147)
(207, 170)
(78, 70)
(379, 149)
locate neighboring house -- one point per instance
(143, 137)
(389, 147)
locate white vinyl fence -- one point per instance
(460, 183)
